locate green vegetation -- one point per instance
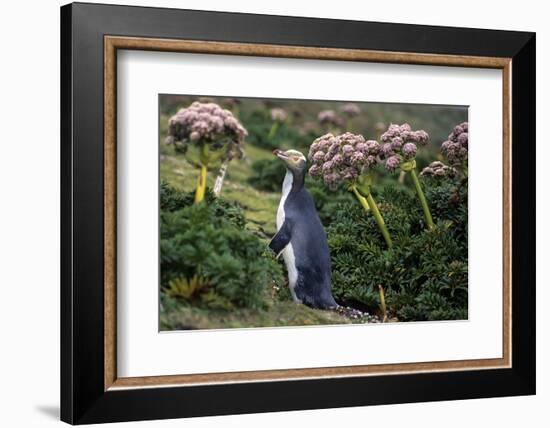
(267, 175)
(217, 271)
(424, 274)
(207, 254)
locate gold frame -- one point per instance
(112, 43)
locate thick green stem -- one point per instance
(201, 182)
(379, 220)
(422, 198)
(383, 303)
(273, 130)
(360, 198)
(201, 185)
(369, 204)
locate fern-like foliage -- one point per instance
(186, 288)
(207, 255)
(425, 274)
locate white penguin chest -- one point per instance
(288, 251)
(287, 185)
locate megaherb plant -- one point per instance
(348, 159)
(455, 150)
(207, 135)
(399, 151)
(330, 120)
(350, 110)
(423, 274)
(278, 116)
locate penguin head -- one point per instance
(293, 159)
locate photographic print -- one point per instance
(323, 191)
(282, 212)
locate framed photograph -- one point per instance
(267, 213)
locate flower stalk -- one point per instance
(383, 303)
(201, 185)
(399, 151)
(273, 131)
(279, 116)
(422, 198)
(201, 182)
(410, 167)
(364, 190)
(360, 198)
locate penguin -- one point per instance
(301, 238)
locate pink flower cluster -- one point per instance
(342, 158)
(400, 144)
(278, 114)
(438, 169)
(204, 122)
(351, 109)
(456, 147)
(329, 117)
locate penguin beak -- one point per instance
(280, 154)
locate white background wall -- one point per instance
(29, 213)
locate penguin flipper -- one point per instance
(281, 238)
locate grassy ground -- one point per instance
(279, 314)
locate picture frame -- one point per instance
(91, 390)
